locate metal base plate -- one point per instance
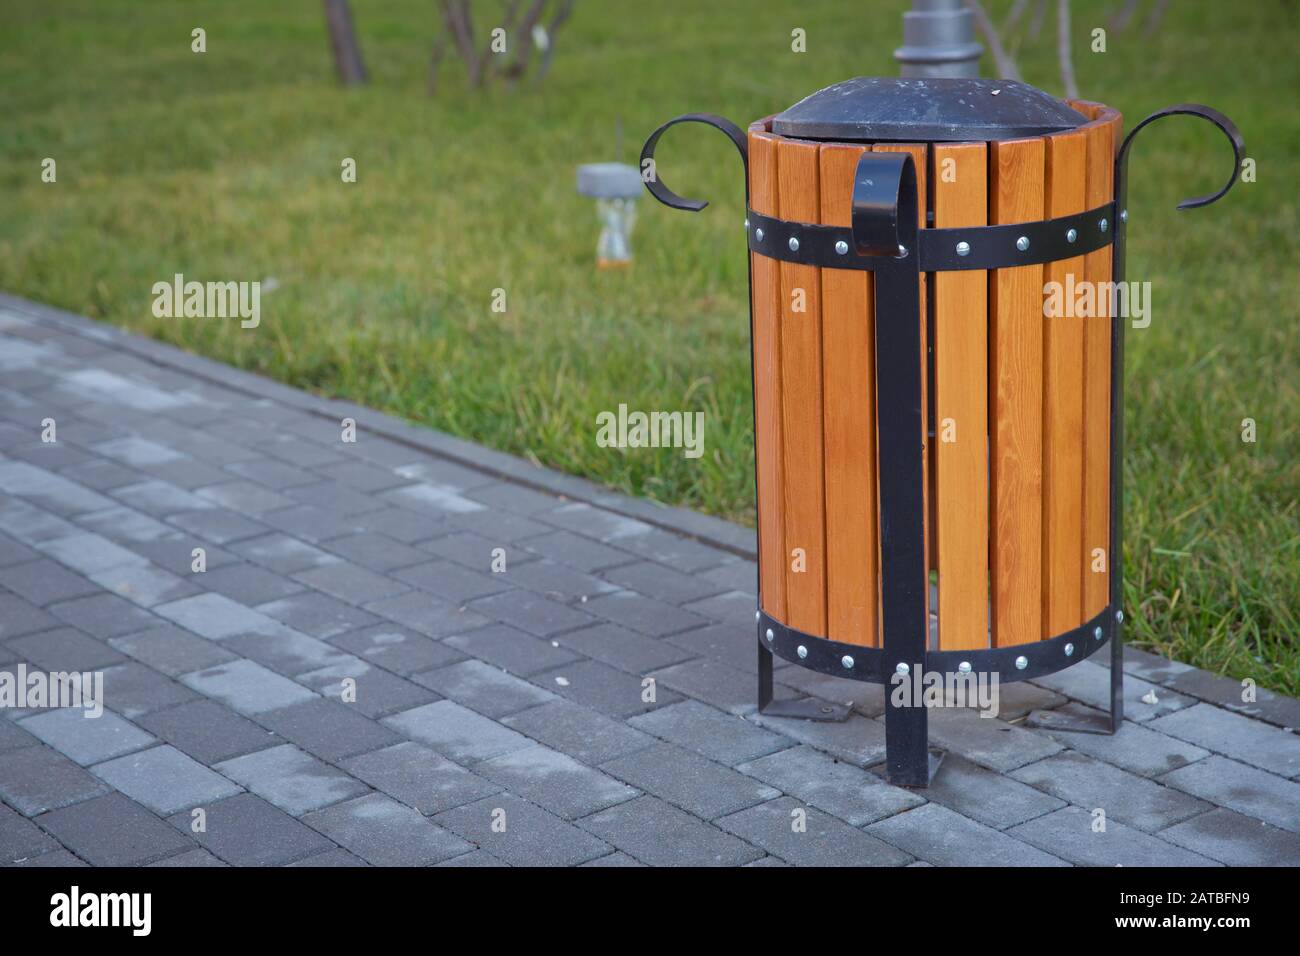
(1071, 723)
(810, 708)
(932, 768)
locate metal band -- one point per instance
(876, 666)
(986, 247)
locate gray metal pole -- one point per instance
(939, 40)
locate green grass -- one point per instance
(226, 165)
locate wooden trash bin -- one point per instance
(937, 367)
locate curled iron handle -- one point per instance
(656, 185)
(885, 205)
(1227, 126)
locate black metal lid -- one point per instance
(872, 108)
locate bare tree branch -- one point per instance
(1006, 67)
(1036, 22)
(1013, 17)
(343, 39)
(1123, 16)
(1063, 52)
(561, 17)
(460, 23)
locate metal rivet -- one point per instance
(1123, 215)
(1069, 650)
(758, 234)
(1119, 616)
(902, 252)
(847, 662)
(842, 247)
(902, 669)
(1104, 225)
(1023, 243)
(1072, 235)
(794, 244)
(758, 616)
(801, 651)
(770, 635)
(1022, 662)
(746, 223)
(1096, 632)
(964, 667)
(963, 248)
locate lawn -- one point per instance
(226, 165)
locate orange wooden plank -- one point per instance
(920, 157)
(1103, 139)
(798, 177)
(767, 384)
(1015, 387)
(961, 407)
(849, 420)
(1063, 398)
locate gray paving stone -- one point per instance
(1243, 788)
(419, 778)
(405, 526)
(714, 683)
(530, 837)
(578, 731)
(384, 832)
(531, 613)
(103, 615)
(736, 576)
(282, 553)
(643, 614)
(328, 729)
(673, 550)
(292, 780)
(1139, 748)
(428, 615)
(288, 652)
(613, 860)
(471, 550)
(1235, 839)
(1069, 834)
(13, 737)
(1125, 797)
(208, 732)
(164, 779)
(840, 789)
(987, 741)
(687, 780)
(456, 732)
(601, 687)
(375, 551)
(135, 690)
(217, 525)
(435, 499)
(124, 526)
(1248, 741)
(502, 526)
(144, 584)
(85, 739)
(730, 607)
(249, 584)
(160, 498)
(60, 859)
(272, 474)
(369, 690)
(65, 649)
(512, 650)
(20, 839)
(1089, 683)
(113, 831)
(48, 490)
(397, 649)
(314, 525)
(44, 582)
(11, 552)
(664, 583)
(478, 858)
(512, 497)
(858, 740)
(658, 834)
(623, 649)
(557, 582)
(577, 551)
(804, 836)
(939, 836)
(245, 830)
(713, 733)
(365, 477)
(351, 583)
(331, 858)
(246, 497)
(591, 522)
(100, 475)
(866, 699)
(171, 650)
(19, 617)
(987, 797)
(483, 688)
(451, 581)
(190, 858)
(216, 616)
(247, 687)
(317, 614)
(1277, 709)
(555, 781)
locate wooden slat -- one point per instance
(961, 398)
(801, 398)
(920, 157)
(849, 420)
(767, 383)
(1015, 387)
(1103, 134)
(1063, 400)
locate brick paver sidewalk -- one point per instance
(352, 679)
